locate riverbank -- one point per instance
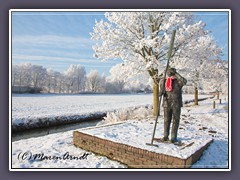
(39, 132)
(32, 111)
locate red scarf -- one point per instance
(169, 83)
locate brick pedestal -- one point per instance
(133, 157)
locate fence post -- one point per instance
(214, 105)
(217, 94)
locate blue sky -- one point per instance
(57, 39)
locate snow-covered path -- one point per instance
(201, 120)
(214, 122)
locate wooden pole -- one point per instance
(163, 89)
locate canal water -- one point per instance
(51, 130)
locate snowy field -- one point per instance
(201, 121)
(31, 109)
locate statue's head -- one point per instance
(171, 71)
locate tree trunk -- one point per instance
(78, 88)
(49, 85)
(195, 96)
(20, 83)
(155, 99)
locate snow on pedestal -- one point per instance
(126, 142)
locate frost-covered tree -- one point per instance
(119, 75)
(124, 75)
(53, 80)
(197, 59)
(215, 76)
(113, 87)
(75, 78)
(142, 39)
(95, 82)
(38, 74)
(28, 75)
(139, 83)
(18, 75)
(60, 83)
(15, 75)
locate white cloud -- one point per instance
(51, 58)
(53, 41)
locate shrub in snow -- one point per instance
(141, 113)
(124, 114)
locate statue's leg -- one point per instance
(167, 122)
(176, 119)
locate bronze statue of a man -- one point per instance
(172, 102)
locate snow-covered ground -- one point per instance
(139, 132)
(37, 109)
(45, 105)
(202, 121)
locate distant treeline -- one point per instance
(29, 78)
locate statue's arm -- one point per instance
(181, 79)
